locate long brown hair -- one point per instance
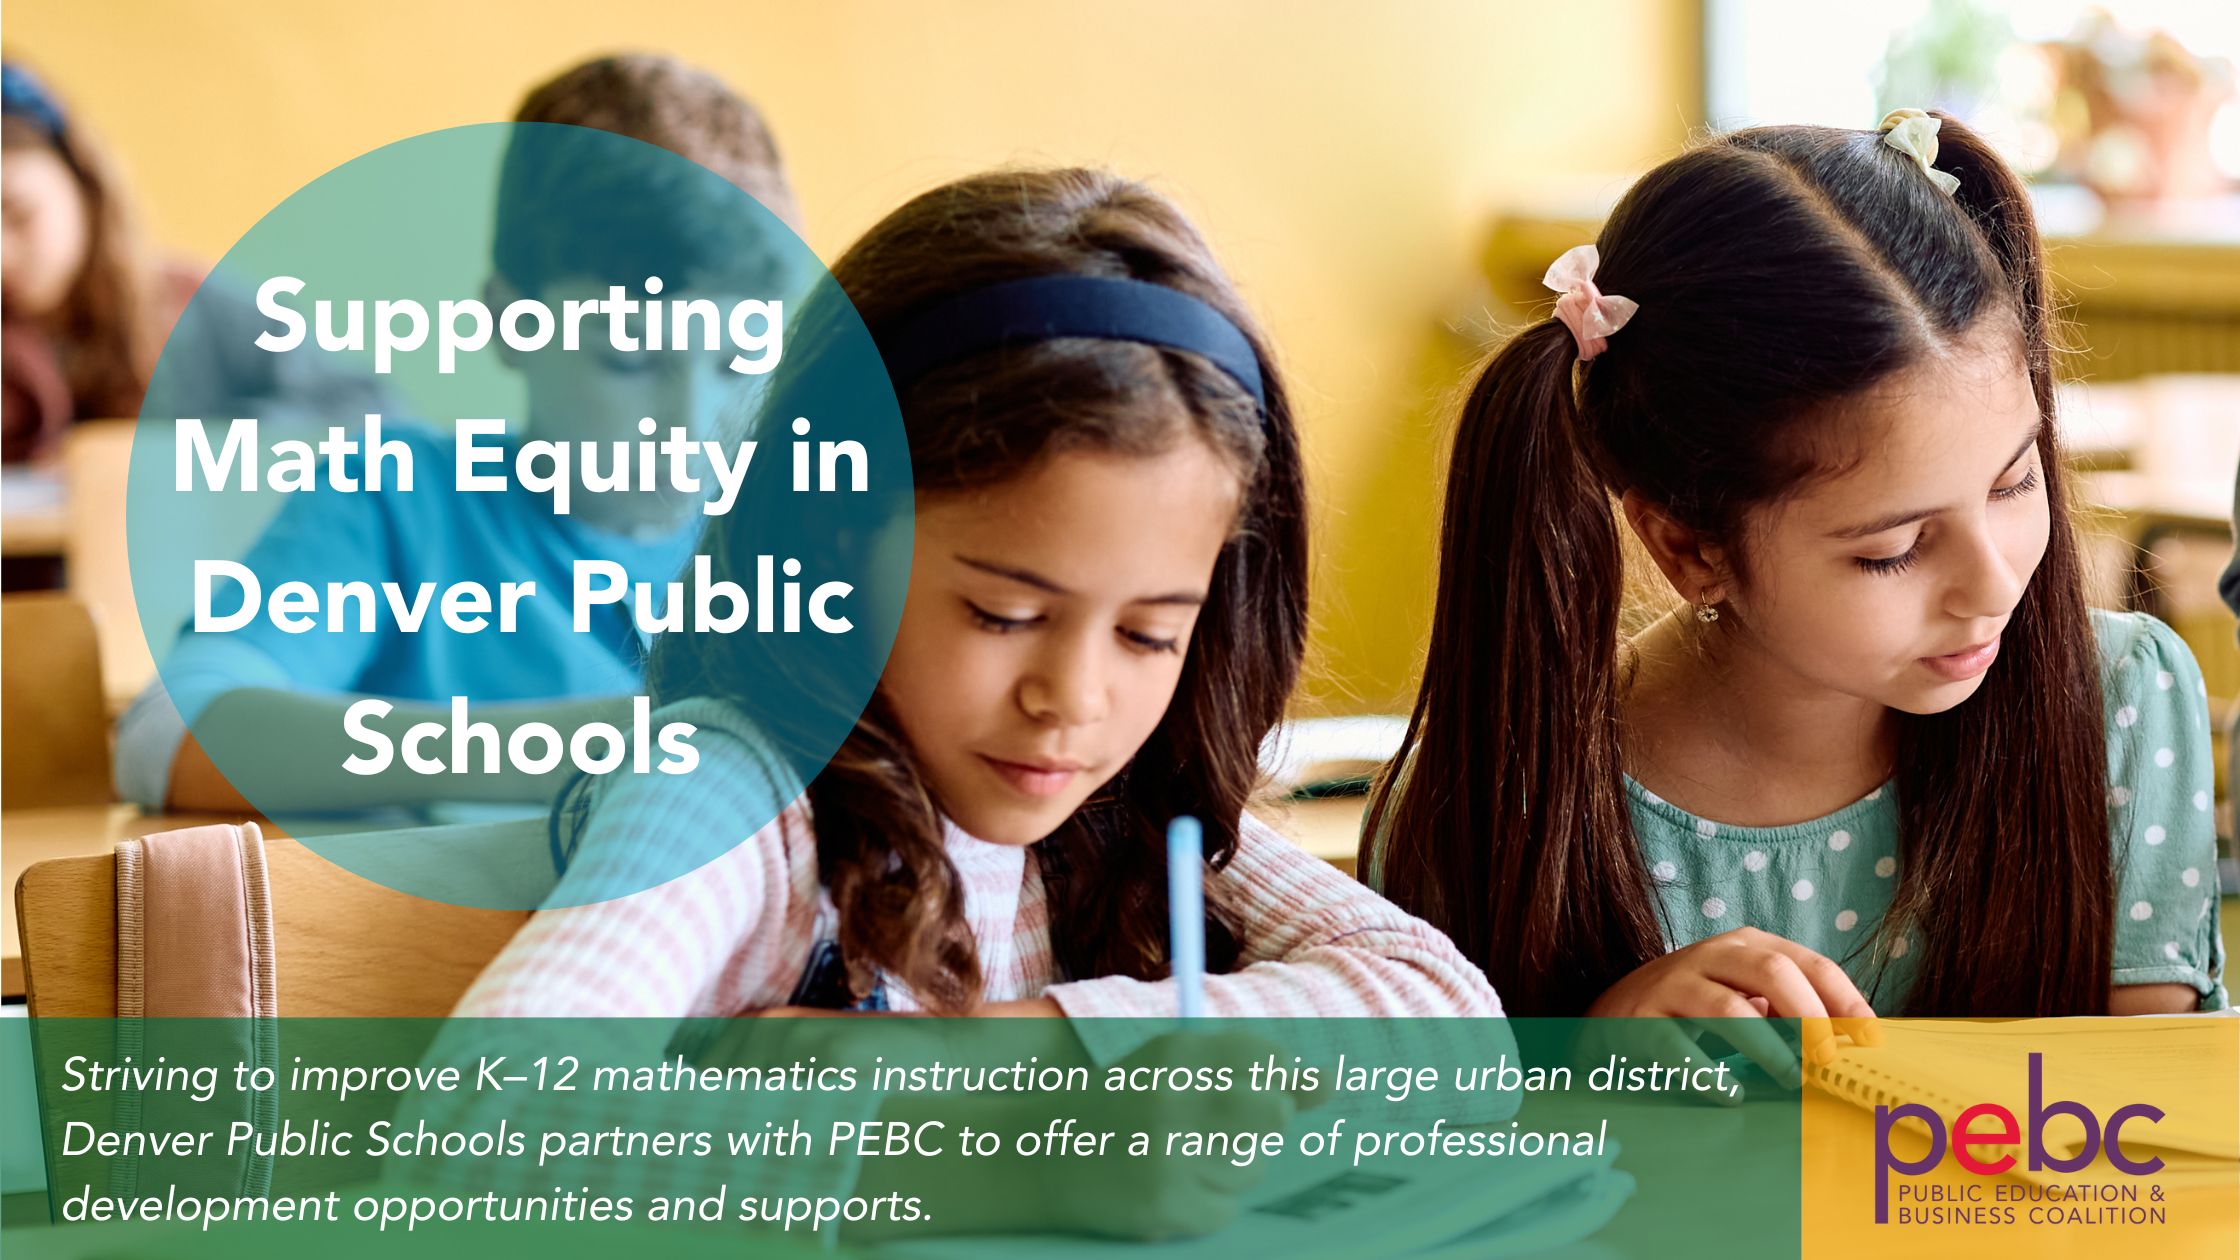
(111, 324)
(1779, 271)
(983, 420)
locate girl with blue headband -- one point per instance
(1106, 614)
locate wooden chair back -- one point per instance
(54, 722)
(96, 460)
(344, 945)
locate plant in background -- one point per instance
(1948, 60)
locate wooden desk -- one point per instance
(34, 518)
(2147, 502)
(34, 835)
(1327, 828)
(32, 534)
(1739, 1166)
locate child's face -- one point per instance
(43, 213)
(1894, 580)
(598, 394)
(1046, 625)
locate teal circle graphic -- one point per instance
(509, 465)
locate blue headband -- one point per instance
(1051, 307)
(22, 95)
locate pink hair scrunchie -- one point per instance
(1587, 311)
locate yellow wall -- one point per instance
(1344, 159)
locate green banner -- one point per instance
(918, 1136)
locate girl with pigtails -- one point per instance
(1884, 758)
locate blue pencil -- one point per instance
(1186, 914)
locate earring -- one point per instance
(1707, 612)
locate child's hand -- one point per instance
(1745, 976)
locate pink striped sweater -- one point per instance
(735, 935)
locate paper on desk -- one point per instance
(1312, 1208)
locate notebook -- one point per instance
(2186, 1066)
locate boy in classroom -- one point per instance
(286, 695)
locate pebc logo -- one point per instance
(1991, 1125)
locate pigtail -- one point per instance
(2039, 932)
(883, 858)
(1503, 819)
(1995, 199)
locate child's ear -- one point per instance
(498, 293)
(1696, 567)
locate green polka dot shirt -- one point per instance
(1826, 883)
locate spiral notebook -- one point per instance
(2185, 1066)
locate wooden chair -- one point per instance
(54, 723)
(344, 945)
(96, 459)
